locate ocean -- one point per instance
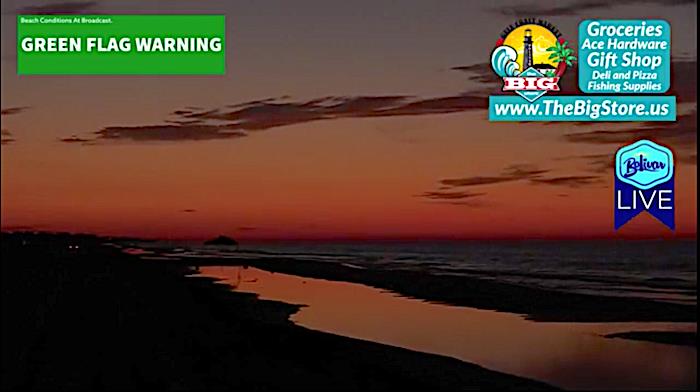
(660, 269)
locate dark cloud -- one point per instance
(6, 137)
(188, 210)
(684, 80)
(601, 164)
(267, 115)
(458, 103)
(362, 106)
(440, 195)
(168, 133)
(13, 110)
(475, 203)
(680, 134)
(523, 171)
(454, 198)
(510, 173)
(189, 113)
(271, 113)
(257, 102)
(595, 163)
(568, 181)
(480, 72)
(575, 7)
(449, 192)
(75, 139)
(471, 181)
(6, 134)
(20, 228)
(234, 121)
(246, 228)
(70, 7)
(184, 122)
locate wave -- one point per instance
(503, 61)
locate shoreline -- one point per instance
(549, 352)
(535, 304)
(80, 315)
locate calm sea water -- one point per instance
(661, 270)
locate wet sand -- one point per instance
(569, 355)
(77, 314)
(534, 303)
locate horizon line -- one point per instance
(387, 238)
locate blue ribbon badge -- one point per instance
(644, 182)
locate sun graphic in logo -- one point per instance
(541, 39)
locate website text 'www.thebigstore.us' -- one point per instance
(583, 108)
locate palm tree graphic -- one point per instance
(563, 55)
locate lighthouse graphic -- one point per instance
(527, 49)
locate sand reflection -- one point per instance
(569, 355)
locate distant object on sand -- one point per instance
(222, 240)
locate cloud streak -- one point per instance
(271, 113)
(69, 7)
(238, 120)
(451, 190)
(442, 195)
(152, 133)
(567, 181)
(75, 139)
(509, 174)
(6, 137)
(681, 134)
(194, 123)
(595, 163)
(13, 110)
(576, 7)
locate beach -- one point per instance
(83, 312)
(78, 313)
(583, 315)
(570, 355)
(482, 292)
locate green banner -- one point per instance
(121, 44)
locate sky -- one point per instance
(352, 120)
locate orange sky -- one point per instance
(344, 177)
